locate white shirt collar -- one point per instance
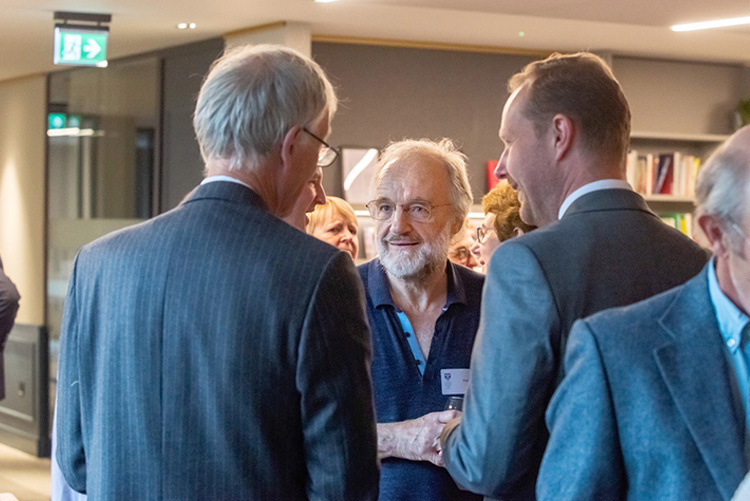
(211, 179)
(602, 184)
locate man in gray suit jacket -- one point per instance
(215, 352)
(9, 298)
(654, 401)
(566, 130)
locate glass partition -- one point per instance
(102, 164)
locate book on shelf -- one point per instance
(662, 174)
(683, 221)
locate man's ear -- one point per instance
(563, 133)
(289, 145)
(713, 228)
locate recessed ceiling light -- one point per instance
(705, 25)
(325, 1)
(184, 26)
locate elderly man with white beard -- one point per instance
(423, 312)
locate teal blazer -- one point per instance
(648, 408)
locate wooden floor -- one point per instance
(23, 475)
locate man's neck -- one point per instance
(264, 186)
(422, 294)
(731, 286)
(582, 171)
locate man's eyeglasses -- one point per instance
(739, 230)
(482, 233)
(383, 209)
(327, 154)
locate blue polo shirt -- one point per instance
(401, 391)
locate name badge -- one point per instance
(454, 381)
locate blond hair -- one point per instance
(324, 212)
(502, 200)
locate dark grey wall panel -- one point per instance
(391, 93)
(24, 412)
(182, 166)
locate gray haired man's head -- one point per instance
(722, 185)
(250, 99)
(444, 152)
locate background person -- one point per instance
(502, 221)
(202, 352)
(566, 128)
(334, 222)
(9, 299)
(662, 385)
(423, 312)
(459, 251)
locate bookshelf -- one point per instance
(677, 137)
(662, 166)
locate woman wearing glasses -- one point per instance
(501, 222)
(461, 244)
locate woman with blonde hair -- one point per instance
(502, 221)
(334, 222)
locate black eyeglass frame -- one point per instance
(482, 233)
(322, 161)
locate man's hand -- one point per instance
(416, 439)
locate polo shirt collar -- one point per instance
(380, 291)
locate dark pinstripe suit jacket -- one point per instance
(215, 352)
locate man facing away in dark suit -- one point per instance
(215, 352)
(566, 129)
(654, 404)
(9, 298)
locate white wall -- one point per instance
(291, 34)
(22, 191)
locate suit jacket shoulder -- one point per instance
(655, 372)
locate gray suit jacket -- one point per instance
(608, 250)
(646, 410)
(214, 352)
(9, 298)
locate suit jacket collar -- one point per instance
(227, 191)
(694, 367)
(608, 199)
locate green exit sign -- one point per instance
(57, 121)
(80, 46)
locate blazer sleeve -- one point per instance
(71, 455)
(495, 449)
(9, 298)
(333, 379)
(583, 459)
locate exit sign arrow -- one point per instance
(92, 49)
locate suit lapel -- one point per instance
(695, 370)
